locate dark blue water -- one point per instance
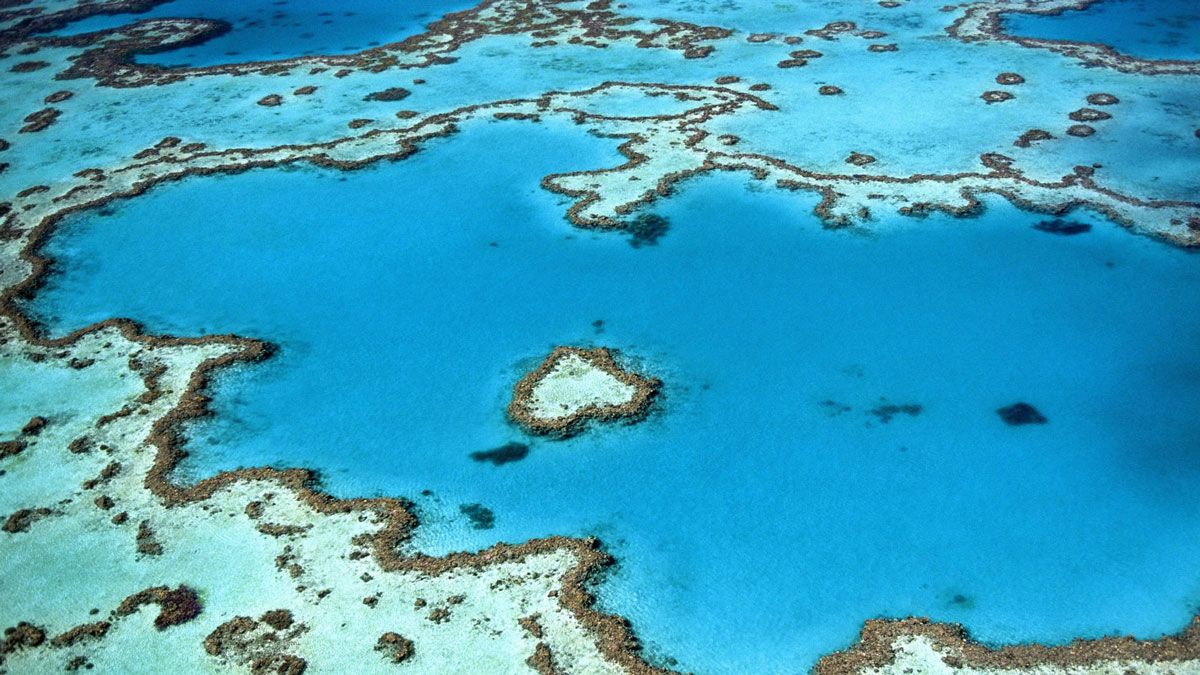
(278, 30)
(768, 507)
(1151, 29)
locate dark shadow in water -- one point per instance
(1062, 227)
(1018, 414)
(480, 516)
(887, 411)
(509, 452)
(646, 229)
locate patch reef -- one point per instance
(575, 385)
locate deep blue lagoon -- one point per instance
(827, 448)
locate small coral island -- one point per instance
(574, 385)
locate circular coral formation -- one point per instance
(728, 79)
(829, 90)
(860, 159)
(996, 96)
(1080, 130)
(1009, 79)
(1089, 115)
(1102, 99)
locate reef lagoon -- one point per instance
(873, 330)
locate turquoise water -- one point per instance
(271, 31)
(764, 511)
(1152, 29)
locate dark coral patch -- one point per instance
(1009, 79)
(1032, 136)
(1019, 414)
(390, 94)
(887, 411)
(1062, 227)
(29, 66)
(647, 229)
(395, 646)
(1102, 99)
(481, 517)
(509, 452)
(996, 96)
(1089, 115)
(829, 90)
(1080, 130)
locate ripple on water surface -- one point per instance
(828, 447)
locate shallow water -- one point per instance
(270, 31)
(1151, 29)
(767, 507)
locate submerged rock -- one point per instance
(1062, 227)
(1021, 413)
(646, 229)
(391, 94)
(481, 517)
(509, 452)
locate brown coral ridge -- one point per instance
(175, 606)
(645, 389)
(22, 519)
(860, 159)
(983, 21)
(37, 121)
(107, 55)
(395, 647)
(21, 636)
(87, 631)
(241, 641)
(542, 661)
(876, 648)
(1032, 136)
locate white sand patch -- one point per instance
(574, 384)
